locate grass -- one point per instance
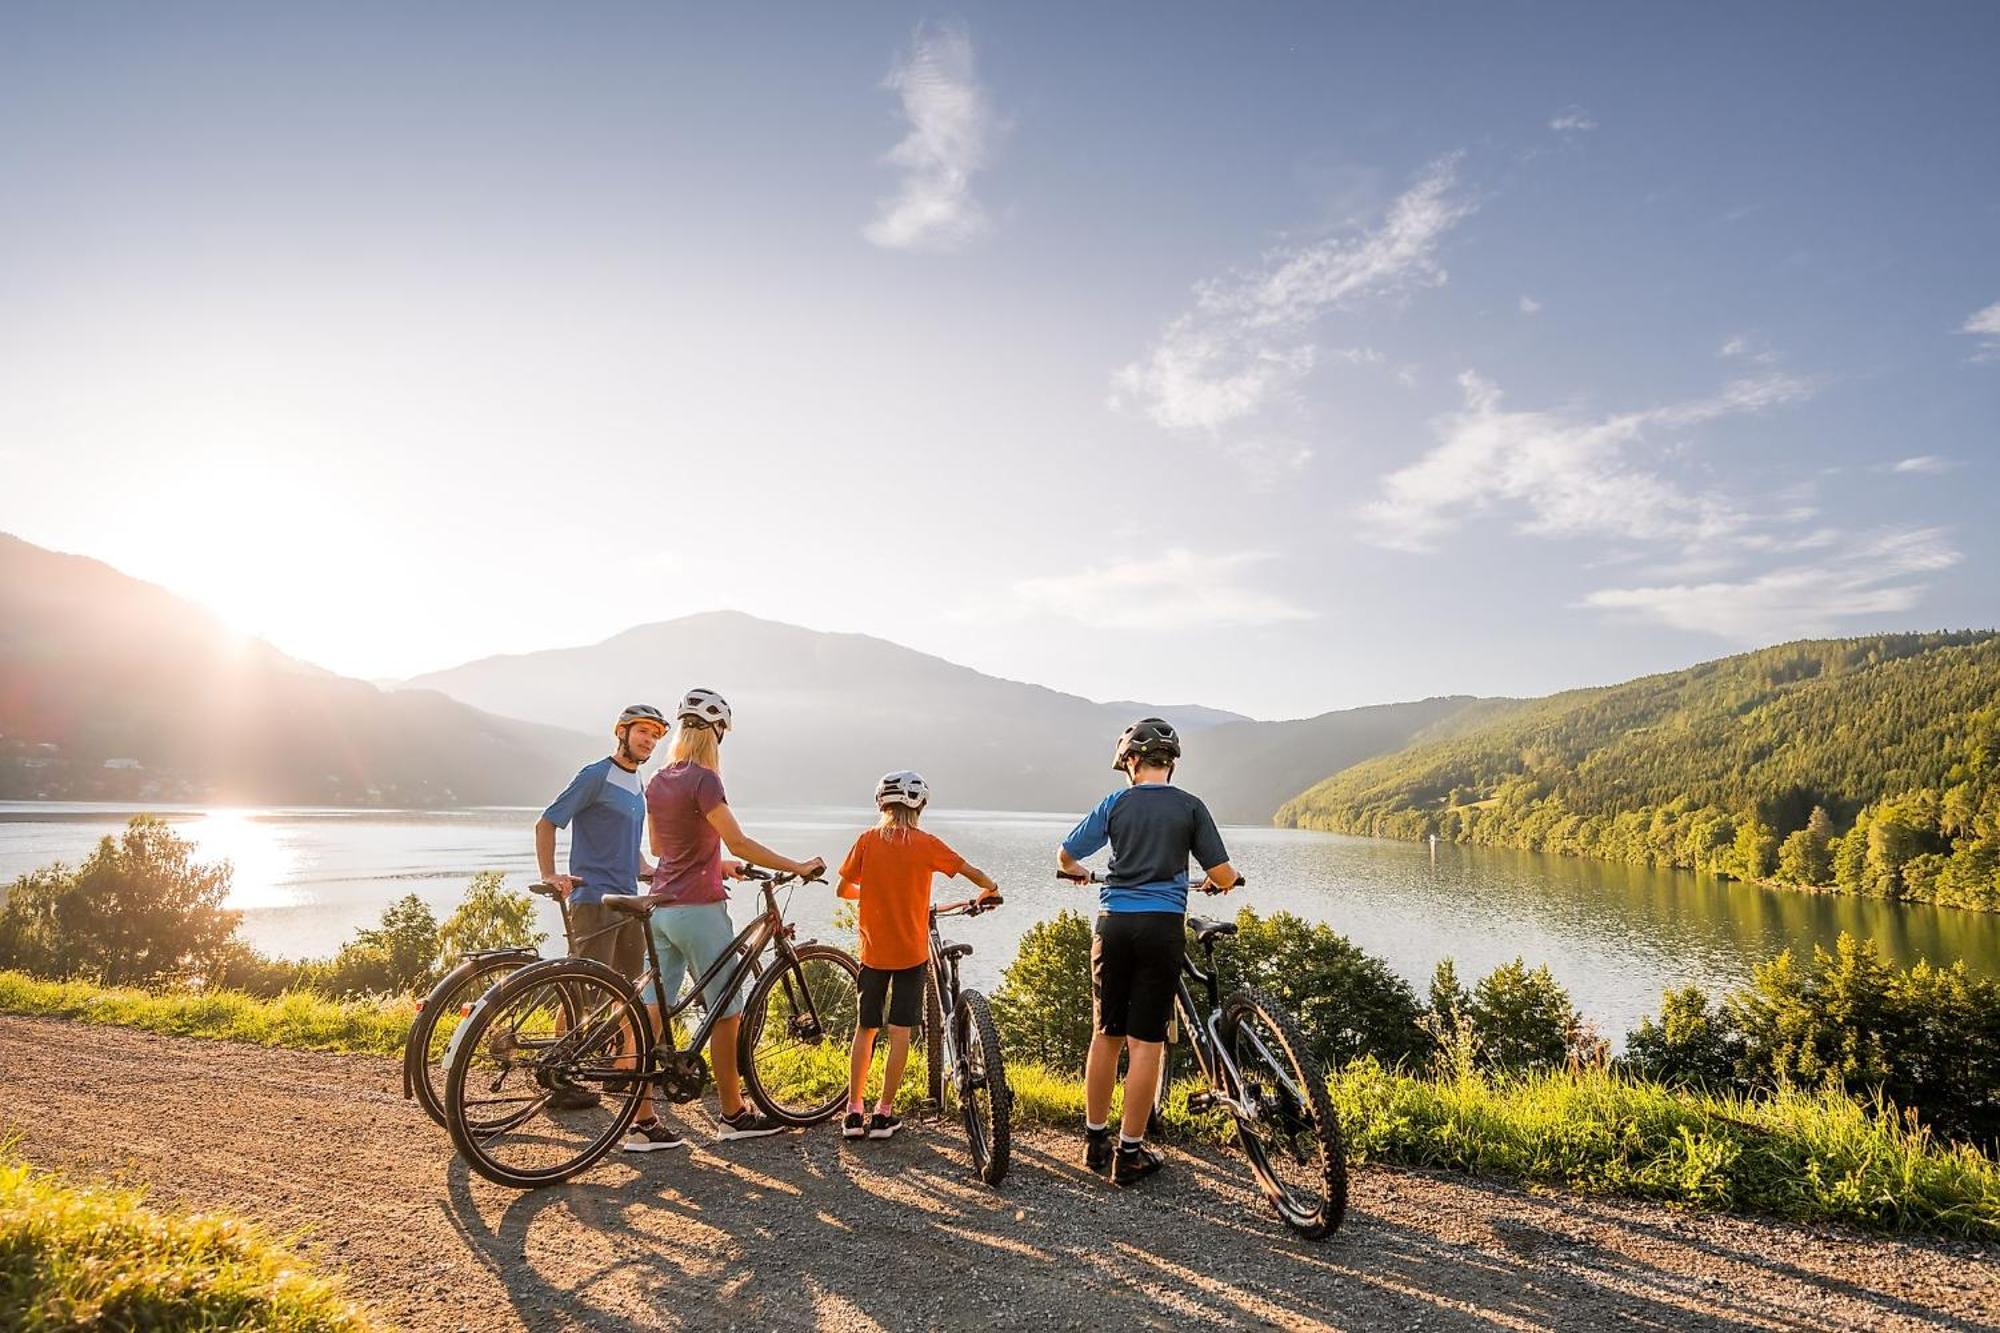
(1805, 1156)
(297, 1019)
(90, 1257)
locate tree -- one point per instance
(1347, 1002)
(1691, 1043)
(1523, 1019)
(1754, 851)
(1806, 857)
(395, 957)
(137, 911)
(1042, 1004)
(490, 917)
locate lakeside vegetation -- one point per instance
(1867, 766)
(1829, 1088)
(74, 1257)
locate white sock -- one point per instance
(1095, 1129)
(1127, 1141)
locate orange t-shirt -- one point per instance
(893, 876)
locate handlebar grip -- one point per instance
(1088, 877)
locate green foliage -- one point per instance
(1522, 1019)
(490, 917)
(296, 1019)
(1924, 1038)
(75, 1258)
(1718, 767)
(1042, 1005)
(396, 957)
(1690, 1045)
(1346, 1002)
(138, 910)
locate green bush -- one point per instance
(1515, 1018)
(91, 1258)
(1042, 1005)
(1691, 1044)
(489, 918)
(137, 911)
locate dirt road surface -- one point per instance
(805, 1231)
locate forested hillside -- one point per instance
(1870, 765)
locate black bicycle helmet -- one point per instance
(1152, 739)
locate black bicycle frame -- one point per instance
(1205, 1038)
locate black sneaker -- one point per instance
(746, 1124)
(569, 1096)
(651, 1136)
(1133, 1163)
(883, 1126)
(1097, 1149)
(854, 1127)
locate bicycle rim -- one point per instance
(1289, 1135)
(797, 1035)
(444, 1009)
(558, 1028)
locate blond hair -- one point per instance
(695, 744)
(898, 819)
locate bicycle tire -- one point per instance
(1309, 1082)
(801, 1084)
(423, 1059)
(933, 1040)
(989, 1127)
(566, 977)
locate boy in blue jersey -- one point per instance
(604, 808)
(1153, 828)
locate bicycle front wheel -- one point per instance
(448, 1004)
(978, 1083)
(933, 1040)
(798, 1032)
(1287, 1127)
(546, 1073)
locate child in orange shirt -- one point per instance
(889, 870)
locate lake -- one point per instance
(1616, 936)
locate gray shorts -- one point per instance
(613, 939)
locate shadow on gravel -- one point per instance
(805, 1231)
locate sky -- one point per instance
(1280, 358)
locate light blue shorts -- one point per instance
(689, 940)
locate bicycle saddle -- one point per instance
(631, 904)
(1203, 930)
(957, 950)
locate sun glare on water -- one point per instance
(262, 860)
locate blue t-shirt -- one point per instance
(605, 803)
(1153, 829)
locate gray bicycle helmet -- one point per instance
(904, 788)
(1153, 739)
(639, 713)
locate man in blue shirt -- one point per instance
(1153, 828)
(604, 808)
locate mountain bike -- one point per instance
(440, 1012)
(573, 1022)
(967, 1041)
(1258, 1069)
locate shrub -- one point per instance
(1042, 1004)
(1691, 1045)
(490, 917)
(1348, 1002)
(138, 910)
(1522, 1019)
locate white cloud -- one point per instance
(1530, 306)
(1572, 120)
(1234, 361)
(1923, 463)
(1873, 577)
(1985, 326)
(1176, 590)
(951, 128)
(1742, 347)
(1565, 476)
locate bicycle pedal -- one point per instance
(1201, 1101)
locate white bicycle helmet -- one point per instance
(904, 788)
(705, 707)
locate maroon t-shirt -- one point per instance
(689, 869)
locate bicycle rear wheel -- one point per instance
(933, 1040)
(1290, 1136)
(798, 1030)
(565, 1024)
(448, 1004)
(978, 1084)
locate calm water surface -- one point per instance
(1615, 935)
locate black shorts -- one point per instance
(906, 997)
(1135, 959)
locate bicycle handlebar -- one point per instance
(1092, 877)
(970, 907)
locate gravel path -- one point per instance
(803, 1231)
